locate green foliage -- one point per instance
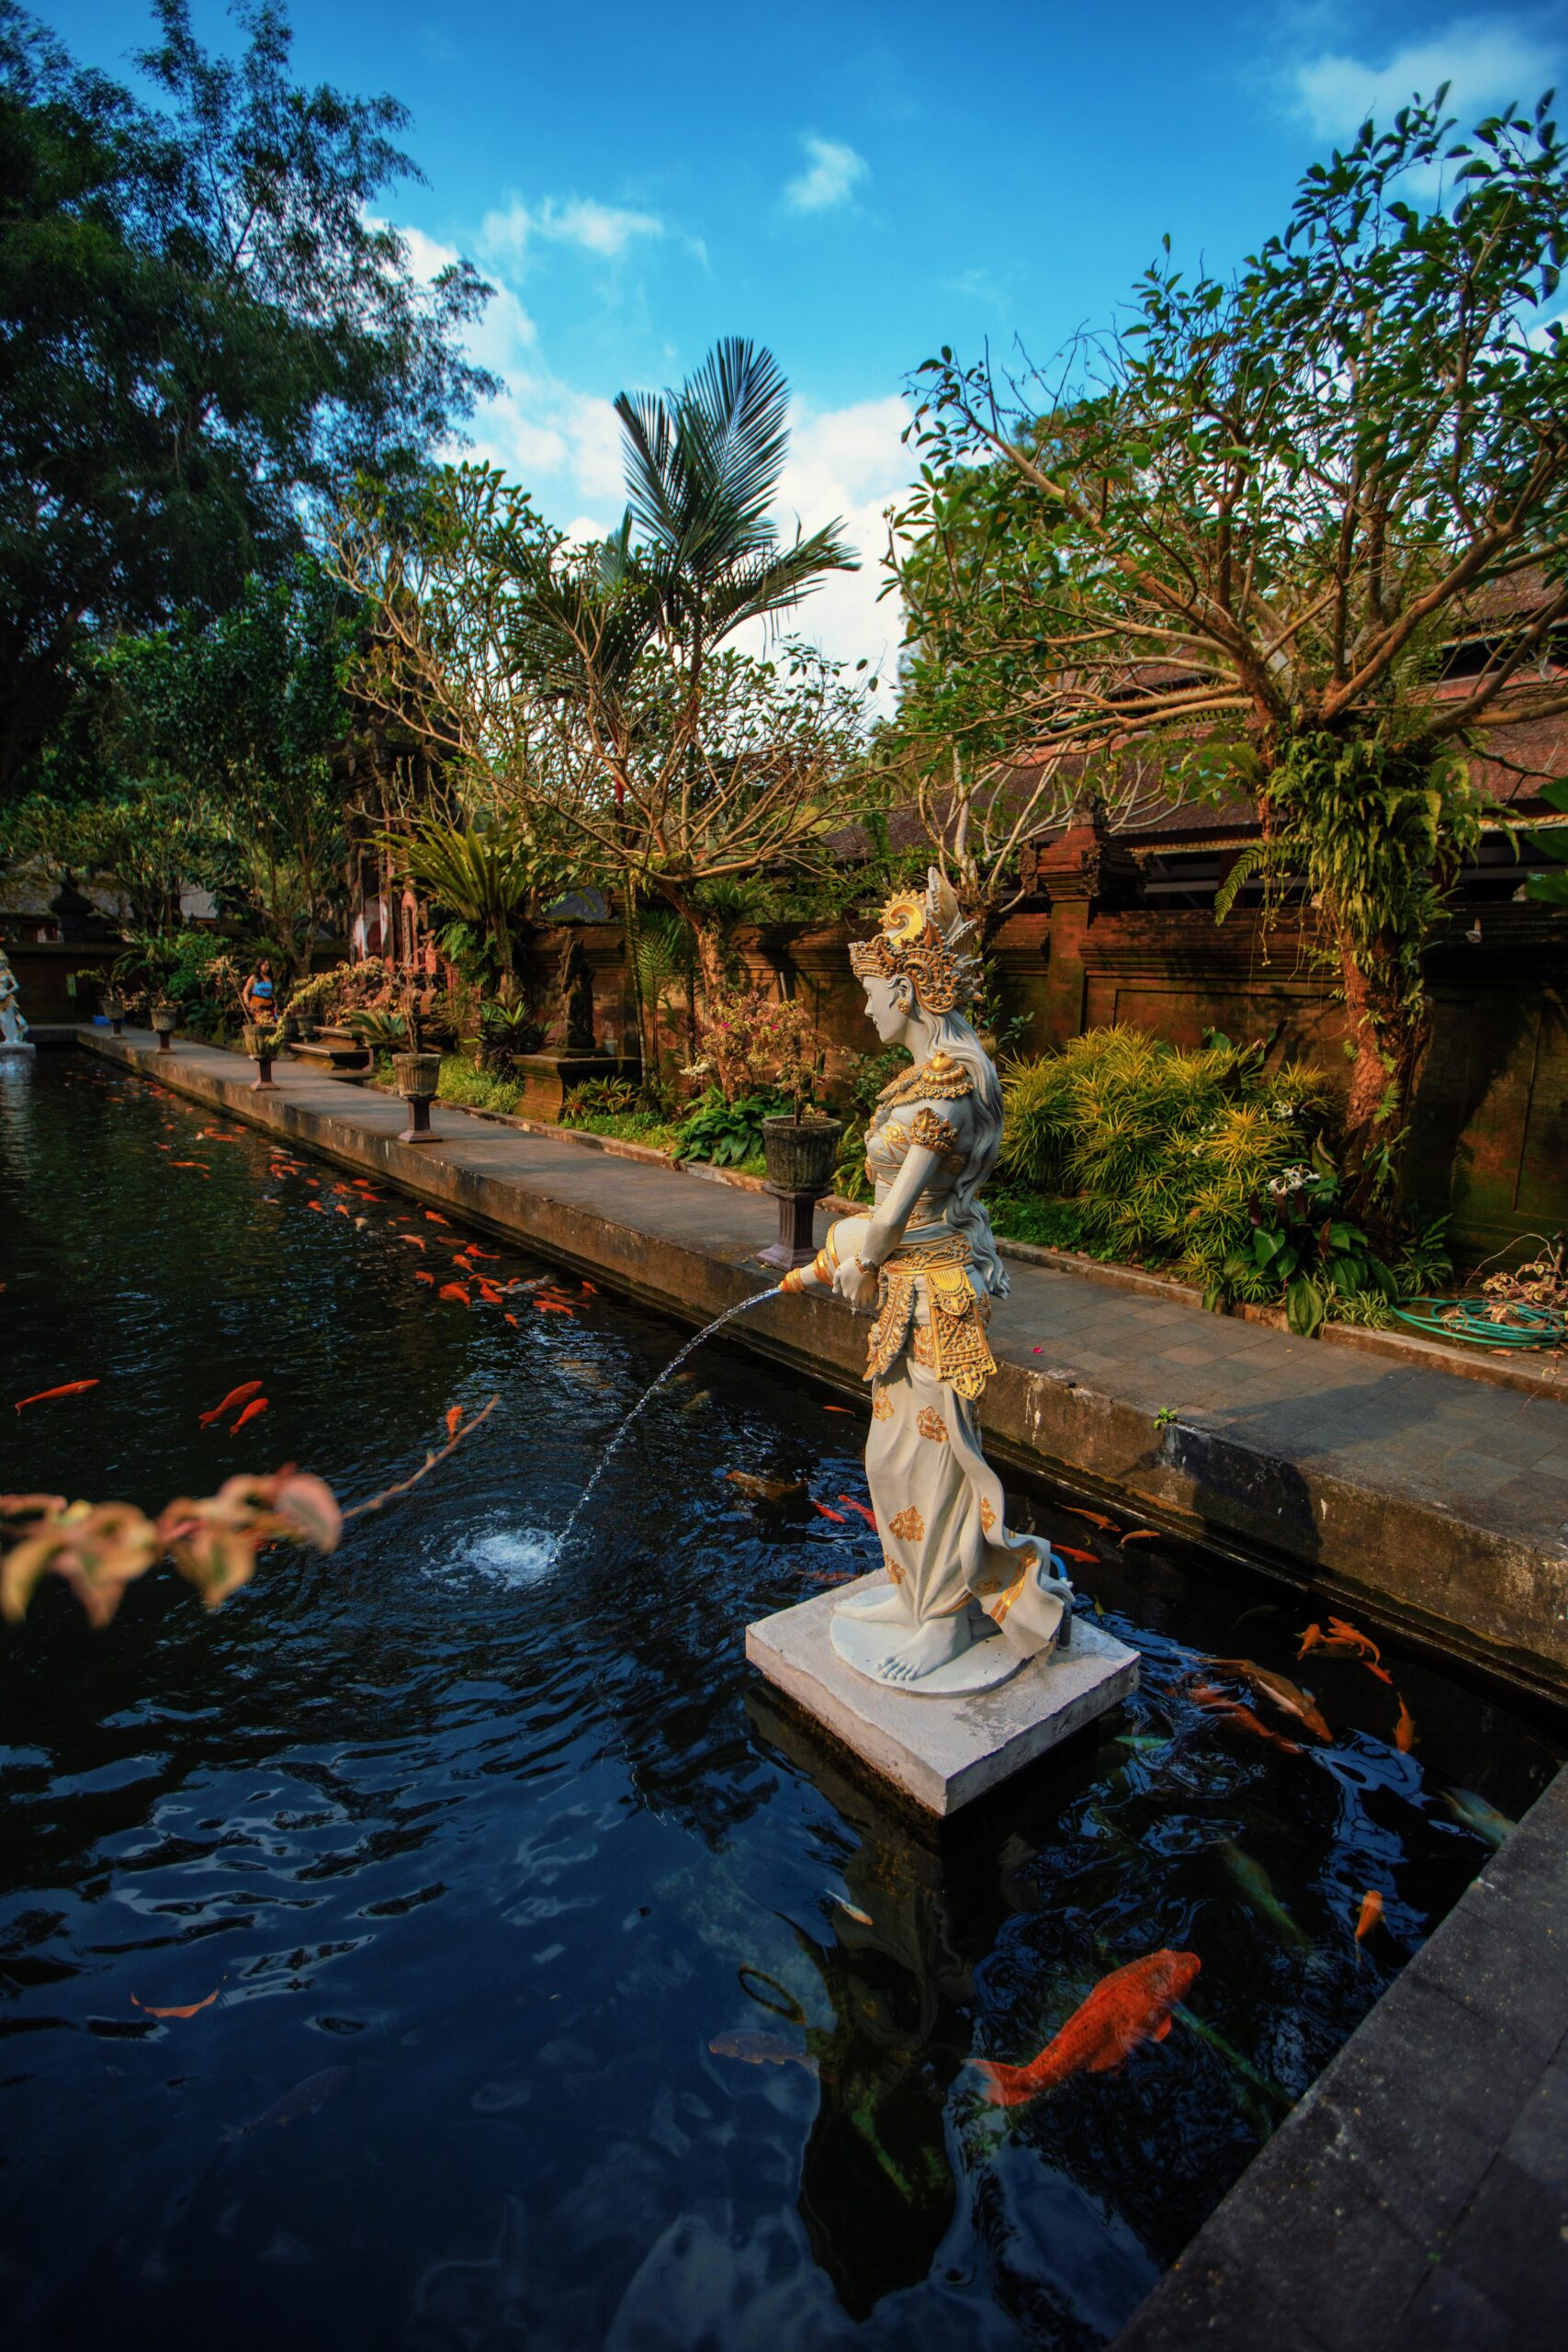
(484, 879)
(1301, 1242)
(610, 1106)
(1046, 1225)
(1551, 890)
(507, 1029)
(1160, 1150)
(383, 1032)
(476, 1090)
(209, 325)
(727, 1134)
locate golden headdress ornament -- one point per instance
(919, 940)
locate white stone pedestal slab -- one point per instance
(942, 1752)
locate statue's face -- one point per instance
(888, 1005)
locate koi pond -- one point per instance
(448, 1944)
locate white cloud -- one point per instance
(847, 462)
(830, 178)
(603, 230)
(1487, 61)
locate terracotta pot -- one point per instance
(800, 1153)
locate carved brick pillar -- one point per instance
(1082, 871)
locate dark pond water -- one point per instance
(481, 1855)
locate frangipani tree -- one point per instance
(1238, 532)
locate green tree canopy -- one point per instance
(205, 330)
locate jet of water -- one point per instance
(672, 1367)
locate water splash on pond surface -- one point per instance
(671, 1369)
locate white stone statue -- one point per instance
(965, 1603)
(13, 1028)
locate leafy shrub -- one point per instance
(598, 1098)
(760, 1044)
(383, 1032)
(507, 1029)
(1301, 1242)
(726, 1133)
(476, 1090)
(1165, 1153)
(1045, 1223)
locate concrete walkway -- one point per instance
(1440, 1502)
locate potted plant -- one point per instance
(761, 1044)
(112, 1005)
(416, 1075)
(166, 1021)
(261, 1042)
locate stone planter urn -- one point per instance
(114, 1012)
(166, 1021)
(261, 1042)
(416, 1078)
(800, 1156)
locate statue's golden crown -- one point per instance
(919, 939)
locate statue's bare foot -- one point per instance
(937, 1643)
(883, 1604)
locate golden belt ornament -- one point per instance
(954, 1344)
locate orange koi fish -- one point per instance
(869, 1516)
(1284, 1693)
(414, 1241)
(1141, 1535)
(454, 1419)
(342, 1212)
(1404, 1729)
(827, 1409)
(593, 1293)
(421, 1276)
(1095, 1518)
(1130, 2005)
(1214, 1702)
(191, 1163)
(454, 1290)
(1369, 1915)
(190, 2011)
(836, 1515)
(317, 1206)
(257, 1405)
(513, 1321)
(67, 1388)
(1341, 1640)
(554, 1306)
(235, 1397)
(489, 1293)
(475, 1251)
(433, 1218)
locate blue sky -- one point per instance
(852, 184)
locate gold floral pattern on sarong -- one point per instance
(930, 1423)
(908, 1526)
(881, 1405)
(988, 1516)
(893, 1570)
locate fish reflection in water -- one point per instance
(762, 2050)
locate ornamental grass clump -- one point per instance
(1165, 1153)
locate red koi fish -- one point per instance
(257, 1405)
(837, 1516)
(67, 1388)
(1069, 1552)
(1369, 1915)
(474, 1251)
(454, 1290)
(235, 1397)
(190, 2011)
(869, 1516)
(1214, 1702)
(1404, 1729)
(1130, 2005)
